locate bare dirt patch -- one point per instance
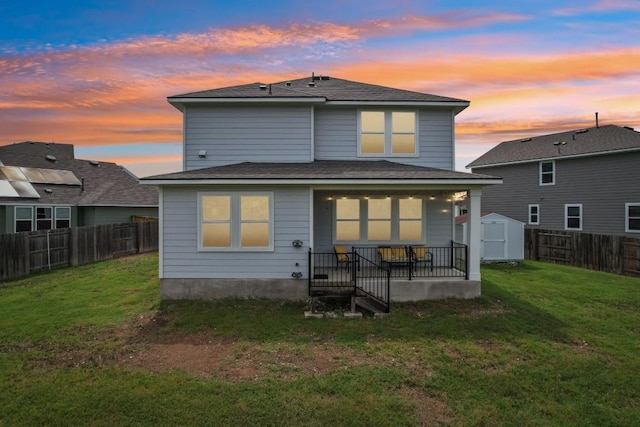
(203, 354)
(431, 411)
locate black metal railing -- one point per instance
(348, 274)
(417, 261)
(372, 279)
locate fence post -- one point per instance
(139, 237)
(27, 252)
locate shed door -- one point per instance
(494, 240)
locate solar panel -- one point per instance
(25, 189)
(50, 176)
(69, 177)
(13, 173)
(7, 190)
(34, 175)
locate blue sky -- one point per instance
(97, 73)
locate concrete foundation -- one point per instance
(211, 289)
(430, 289)
(296, 290)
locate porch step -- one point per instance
(370, 304)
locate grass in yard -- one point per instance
(544, 345)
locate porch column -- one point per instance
(473, 232)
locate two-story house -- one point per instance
(275, 173)
(584, 180)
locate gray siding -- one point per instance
(336, 137)
(602, 184)
(181, 258)
(336, 133)
(112, 214)
(234, 134)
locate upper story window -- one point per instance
(388, 133)
(236, 221)
(573, 217)
(534, 214)
(632, 217)
(547, 173)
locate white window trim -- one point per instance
(537, 206)
(626, 217)
(553, 172)
(566, 216)
(364, 222)
(388, 132)
(15, 219)
(55, 215)
(235, 221)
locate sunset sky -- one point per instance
(97, 73)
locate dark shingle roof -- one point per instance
(105, 183)
(320, 169)
(583, 142)
(328, 88)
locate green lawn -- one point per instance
(544, 345)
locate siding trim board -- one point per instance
(545, 159)
(401, 182)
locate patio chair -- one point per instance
(420, 254)
(393, 256)
(343, 257)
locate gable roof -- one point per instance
(102, 183)
(319, 89)
(319, 170)
(593, 141)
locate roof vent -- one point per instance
(581, 131)
(312, 84)
(50, 158)
(324, 77)
(525, 140)
(288, 84)
(629, 127)
(94, 162)
(263, 87)
(48, 190)
(559, 143)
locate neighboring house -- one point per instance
(501, 237)
(585, 180)
(274, 171)
(43, 186)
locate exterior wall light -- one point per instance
(297, 243)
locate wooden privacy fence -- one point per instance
(613, 254)
(31, 251)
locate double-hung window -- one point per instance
(632, 217)
(44, 218)
(235, 221)
(547, 173)
(388, 133)
(573, 217)
(63, 217)
(534, 214)
(24, 218)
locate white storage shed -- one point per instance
(502, 238)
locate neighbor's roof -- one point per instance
(320, 170)
(593, 141)
(317, 89)
(105, 184)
